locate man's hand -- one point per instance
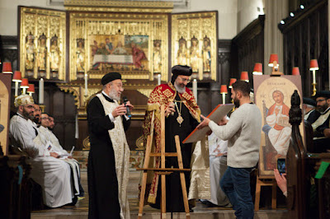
(54, 154)
(281, 180)
(128, 104)
(219, 154)
(326, 132)
(169, 109)
(119, 111)
(204, 123)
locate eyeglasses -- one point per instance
(320, 100)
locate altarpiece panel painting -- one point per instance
(273, 97)
(133, 45)
(194, 43)
(42, 43)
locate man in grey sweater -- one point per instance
(243, 133)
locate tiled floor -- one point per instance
(80, 211)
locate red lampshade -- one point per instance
(257, 69)
(295, 71)
(223, 89)
(232, 80)
(314, 65)
(244, 76)
(25, 83)
(6, 67)
(17, 77)
(31, 88)
(272, 59)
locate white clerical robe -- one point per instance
(52, 174)
(218, 166)
(55, 146)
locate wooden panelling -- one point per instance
(248, 48)
(305, 37)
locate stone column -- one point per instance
(275, 11)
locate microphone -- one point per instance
(125, 100)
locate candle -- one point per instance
(41, 91)
(195, 88)
(314, 78)
(223, 98)
(86, 84)
(158, 79)
(16, 88)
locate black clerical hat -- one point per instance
(180, 70)
(110, 77)
(309, 101)
(322, 93)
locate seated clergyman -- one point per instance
(57, 151)
(52, 174)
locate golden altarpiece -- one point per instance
(141, 40)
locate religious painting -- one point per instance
(54, 57)
(273, 97)
(192, 37)
(119, 52)
(5, 85)
(157, 56)
(42, 39)
(130, 45)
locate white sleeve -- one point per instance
(21, 134)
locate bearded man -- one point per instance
(108, 159)
(57, 151)
(182, 116)
(52, 174)
(37, 113)
(321, 124)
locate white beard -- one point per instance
(113, 95)
(179, 89)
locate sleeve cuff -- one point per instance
(112, 119)
(285, 193)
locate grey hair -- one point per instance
(104, 86)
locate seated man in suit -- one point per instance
(52, 174)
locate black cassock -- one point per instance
(102, 178)
(174, 198)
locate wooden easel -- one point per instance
(270, 181)
(265, 182)
(162, 170)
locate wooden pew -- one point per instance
(307, 197)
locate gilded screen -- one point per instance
(194, 43)
(134, 45)
(42, 43)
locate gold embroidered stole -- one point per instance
(122, 153)
(320, 120)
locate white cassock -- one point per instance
(56, 147)
(52, 174)
(218, 166)
(280, 139)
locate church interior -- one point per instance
(57, 51)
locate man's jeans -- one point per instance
(236, 184)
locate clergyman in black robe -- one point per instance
(107, 122)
